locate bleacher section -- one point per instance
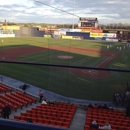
(116, 118)
(14, 99)
(56, 115)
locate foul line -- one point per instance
(108, 59)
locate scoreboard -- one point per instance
(88, 23)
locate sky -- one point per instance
(30, 11)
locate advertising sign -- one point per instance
(96, 35)
(77, 37)
(97, 31)
(88, 19)
(109, 31)
(7, 35)
(100, 39)
(100, 35)
(110, 35)
(111, 40)
(74, 30)
(67, 37)
(85, 30)
(10, 27)
(47, 36)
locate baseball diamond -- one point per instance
(93, 83)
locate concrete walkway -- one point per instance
(34, 90)
(78, 121)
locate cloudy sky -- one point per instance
(107, 11)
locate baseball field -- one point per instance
(77, 83)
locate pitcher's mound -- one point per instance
(65, 57)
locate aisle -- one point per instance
(78, 121)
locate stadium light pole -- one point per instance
(73, 13)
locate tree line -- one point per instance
(115, 26)
(101, 26)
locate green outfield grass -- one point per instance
(63, 81)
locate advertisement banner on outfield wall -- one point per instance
(97, 31)
(101, 35)
(7, 35)
(67, 37)
(85, 30)
(77, 37)
(73, 30)
(47, 36)
(100, 39)
(111, 40)
(110, 35)
(96, 35)
(10, 27)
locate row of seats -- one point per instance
(105, 111)
(56, 106)
(4, 88)
(114, 115)
(48, 112)
(46, 115)
(116, 118)
(45, 121)
(113, 118)
(53, 115)
(54, 109)
(25, 96)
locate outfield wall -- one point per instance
(84, 35)
(91, 35)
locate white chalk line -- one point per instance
(94, 72)
(108, 59)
